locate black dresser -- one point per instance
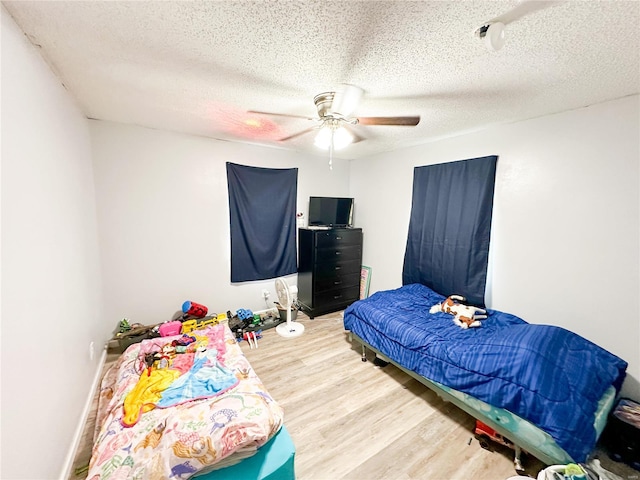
(329, 263)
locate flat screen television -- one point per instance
(330, 212)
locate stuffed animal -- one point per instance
(464, 316)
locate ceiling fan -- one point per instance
(334, 120)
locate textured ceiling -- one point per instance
(199, 67)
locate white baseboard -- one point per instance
(71, 454)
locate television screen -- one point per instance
(330, 211)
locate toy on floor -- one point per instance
(245, 315)
(193, 324)
(251, 337)
(194, 309)
(169, 329)
(246, 321)
(485, 435)
(464, 316)
(124, 325)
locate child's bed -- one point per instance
(545, 389)
(199, 408)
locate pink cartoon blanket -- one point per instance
(211, 406)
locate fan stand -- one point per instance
(290, 329)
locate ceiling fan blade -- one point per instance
(281, 115)
(346, 99)
(403, 121)
(525, 7)
(297, 134)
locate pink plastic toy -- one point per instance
(170, 328)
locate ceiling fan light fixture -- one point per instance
(341, 138)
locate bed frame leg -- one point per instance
(364, 353)
(517, 464)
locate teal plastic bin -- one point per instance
(273, 461)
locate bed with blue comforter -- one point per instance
(553, 379)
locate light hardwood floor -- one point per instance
(352, 420)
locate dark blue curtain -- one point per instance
(262, 214)
(450, 227)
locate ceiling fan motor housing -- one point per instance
(323, 103)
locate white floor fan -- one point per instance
(287, 297)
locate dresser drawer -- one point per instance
(350, 252)
(337, 267)
(332, 238)
(333, 297)
(337, 281)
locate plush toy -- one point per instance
(463, 315)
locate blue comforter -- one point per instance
(548, 375)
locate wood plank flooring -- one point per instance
(352, 420)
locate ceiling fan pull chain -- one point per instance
(331, 150)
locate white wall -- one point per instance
(565, 238)
(564, 247)
(51, 302)
(164, 221)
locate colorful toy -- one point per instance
(485, 434)
(184, 340)
(252, 338)
(124, 325)
(245, 315)
(165, 356)
(191, 325)
(463, 315)
(170, 328)
(194, 309)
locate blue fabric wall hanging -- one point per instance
(450, 227)
(262, 216)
